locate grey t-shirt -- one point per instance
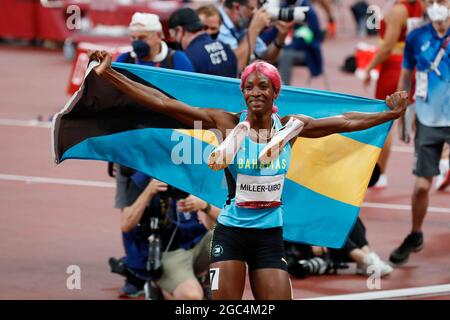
(126, 190)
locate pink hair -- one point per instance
(266, 69)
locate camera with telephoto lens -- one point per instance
(152, 229)
(154, 265)
(315, 266)
(297, 14)
(154, 261)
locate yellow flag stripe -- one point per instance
(334, 166)
(203, 135)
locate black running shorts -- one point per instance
(259, 248)
(429, 142)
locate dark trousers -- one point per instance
(356, 240)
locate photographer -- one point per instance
(183, 239)
(304, 260)
(305, 47)
(242, 22)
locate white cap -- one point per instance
(145, 22)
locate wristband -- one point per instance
(207, 209)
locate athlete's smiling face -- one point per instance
(259, 93)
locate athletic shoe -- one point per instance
(443, 179)
(412, 243)
(373, 264)
(272, 150)
(117, 266)
(382, 182)
(131, 291)
(224, 154)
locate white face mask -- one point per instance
(437, 12)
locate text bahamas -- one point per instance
(254, 164)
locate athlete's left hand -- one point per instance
(103, 57)
(398, 102)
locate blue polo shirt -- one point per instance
(421, 49)
(180, 61)
(230, 35)
(211, 56)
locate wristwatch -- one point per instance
(207, 208)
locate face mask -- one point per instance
(437, 12)
(140, 48)
(174, 45)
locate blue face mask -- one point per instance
(140, 48)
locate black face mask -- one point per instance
(214, 35)
(174, 45)
(140, 48)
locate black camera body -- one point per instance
(173, 193)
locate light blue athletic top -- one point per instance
(246, 162)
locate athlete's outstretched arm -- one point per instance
(152, 98)
(353, 121)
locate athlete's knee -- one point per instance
(422, 186)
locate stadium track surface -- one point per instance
(48, 224)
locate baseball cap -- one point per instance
(145, 22)
(186, 18)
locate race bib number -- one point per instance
(421, 85)
(259, 191)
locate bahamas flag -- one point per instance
(327, 179)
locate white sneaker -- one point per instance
(443, 179)
(272, 150)
(382, 182)
(373, 263)
(224, 154)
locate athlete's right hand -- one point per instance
(103, 57)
